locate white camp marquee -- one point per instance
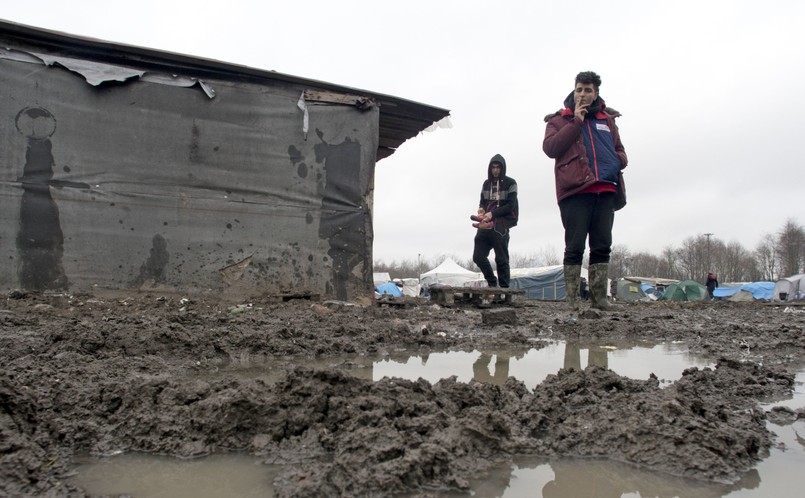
(449, 273)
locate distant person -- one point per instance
(583, 291)
(585, 143)
(497, 214)
(711, 283)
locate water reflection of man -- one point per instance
(480, 369)
(603, 478)
(573, 479)
(595, 356)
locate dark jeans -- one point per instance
(488, 240)
(583, 215)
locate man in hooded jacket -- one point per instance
(497, 214)
(585, 143)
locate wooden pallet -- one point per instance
(479, 296)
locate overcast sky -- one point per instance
(711, 94)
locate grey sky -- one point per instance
(710, 93)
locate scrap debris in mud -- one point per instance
(103, 375)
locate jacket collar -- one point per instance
(568, 112)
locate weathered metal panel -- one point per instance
(140, 184)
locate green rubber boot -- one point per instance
(599, 280)
(572, 277)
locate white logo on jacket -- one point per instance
(602, 127)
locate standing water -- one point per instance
(243, 476)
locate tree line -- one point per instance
(777, 255)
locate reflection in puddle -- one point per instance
(778, 475)
(575, 478)
(241, 475)
(666, 361)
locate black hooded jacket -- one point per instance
(505, 209)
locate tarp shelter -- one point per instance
(789, 288)
(742, 296)
(652, 292)
(410, 287)
(389, 288)
(686, 290)
(133, 168)
(658, 283)
(449, 273)
(755, 290)
(546, 283)
(630, 290)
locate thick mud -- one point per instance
(109, 374)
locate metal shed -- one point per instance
(130, 168)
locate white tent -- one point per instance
(789, 288)
(380, 278)
(410, 287)
(449, 273)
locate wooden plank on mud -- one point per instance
(479, 296)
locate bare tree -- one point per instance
(619, 262)
(545, 256)
(398, 269)
(644, 264)
(766, 258)
(550, 256)
(734, 263)
(521, 260)
(668, 265)
(791, 248)
(693, 257)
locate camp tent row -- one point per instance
(638, 289)
(539, 283)
(547, 283)
(397, 287)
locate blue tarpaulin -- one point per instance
(544, 283)
(389, 288)
(759, 290)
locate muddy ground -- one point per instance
(104, 374)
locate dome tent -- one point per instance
(686, 290)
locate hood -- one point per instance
(497, 158)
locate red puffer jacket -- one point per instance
(563, 142)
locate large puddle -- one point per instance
(243, 476)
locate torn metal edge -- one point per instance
(96, 73)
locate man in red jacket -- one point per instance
(585, 143)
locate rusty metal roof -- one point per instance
(400, 119)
